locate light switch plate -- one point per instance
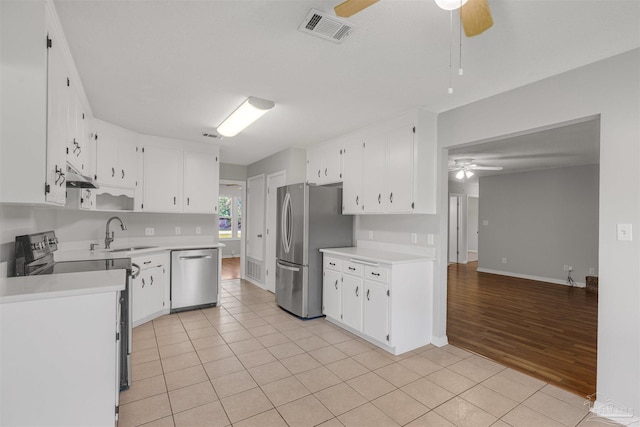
(178, 230)
(429, 239)
(625, 232)
(198, 230)
(370, 234)
(149, 231)
(414, 237)
(485, 222)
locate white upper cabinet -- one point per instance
(201, 182)
(373, 174)
(352, 200)
(387, 168)
(163, 177)
(35, 67)
(324, 163)
(116, 156)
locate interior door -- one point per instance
(273, 182)
(255, 217)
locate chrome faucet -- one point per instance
(109, 237)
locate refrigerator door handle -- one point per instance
(286, 267)
(286, 223)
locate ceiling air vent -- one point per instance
(211, 133)
(326, 26)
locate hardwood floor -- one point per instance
(548, 331)
(230, 268)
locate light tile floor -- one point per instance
(249, 363)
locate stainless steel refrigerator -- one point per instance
(309, 218)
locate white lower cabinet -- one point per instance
(331, 293)
(383, 297)
(148, 288)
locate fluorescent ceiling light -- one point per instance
(450, 4)
(248, 112)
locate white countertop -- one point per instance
(29, 288)
(374, 255)
(86, 254)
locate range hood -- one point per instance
(75, 179)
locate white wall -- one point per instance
(610, 89)
(73, 225)
(232, 172)
(540, 221)
(293, 160)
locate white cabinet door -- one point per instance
(87, 199)
(139, 299)
(399, 176)
(126, 173)
(352, 201)
(352, 301)
(201, 176)
(74, 146)
(57, 110)
(314, 165)
(331, 294)
(162, 180)
(155, 296)
(373, 174)
(376, 311)
(107, 157)
(331, 169)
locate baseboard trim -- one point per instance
(614, 412)
(255, 283)
(440, 341)
(530, 277)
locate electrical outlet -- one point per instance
(370, 234)
(149, 231)
(198, 230)
(570, 268)
(504, 260)
(592, 271)
(625, 232)
(414, 237)
(485, 222)
(429, 239)
(178, 230)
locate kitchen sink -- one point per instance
(133, 248)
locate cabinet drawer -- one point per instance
(331, 263)
(149, 261)
(376, 273)
(352, 268)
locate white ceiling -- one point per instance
(574, 144)
(173, 68)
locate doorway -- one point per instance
(231, 197)
(274, 181)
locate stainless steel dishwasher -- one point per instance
(194, 279)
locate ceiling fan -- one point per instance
(474, 14)
(465, 168)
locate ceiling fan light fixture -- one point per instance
(468, 174)
(460, 174)
(450, 4)
(248, 112)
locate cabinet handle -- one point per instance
(325, 171)
(391, 197)
(143, 282)
(122, 173)
(375, 274)
(352, 268)
(357, 287)
(147, 262)
(62, 177)
(113, 172)
(336, 284)
(187, 201)
(379, 198)
(332, 263)
(174, 200)
(357, 200)
(368, 294)
(318, 173)
(151, 280)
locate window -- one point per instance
(229, 217)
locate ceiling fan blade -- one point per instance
(476, 17)
(486, 168)
(351, 7)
